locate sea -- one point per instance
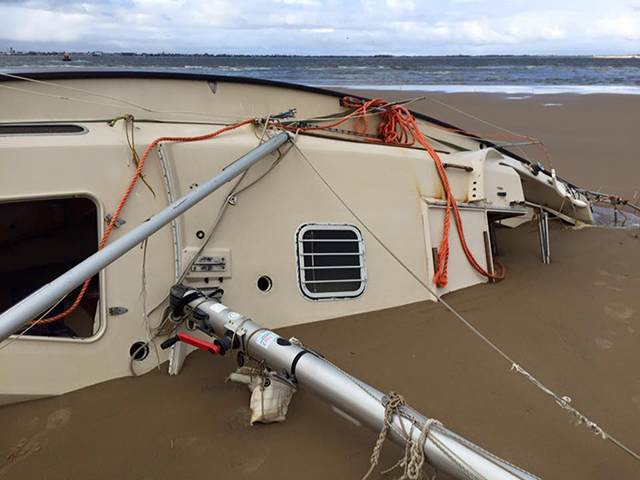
(517, 74)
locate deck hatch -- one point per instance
(331, 261)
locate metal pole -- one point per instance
(354, 399)
(541, 234)
(25, 311)
(547, 239)
(487, 252)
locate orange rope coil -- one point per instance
(398, 127)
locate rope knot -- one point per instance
(393, 402)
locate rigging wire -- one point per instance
(563, 402)
(481, 120)
(223, 117)
(31, 325)
(233, 193)
(161, 329)
(398, 127)
(127, 192)
(336, 116)
(109, 97)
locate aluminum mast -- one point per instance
(352, 398)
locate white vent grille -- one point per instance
(330, 261)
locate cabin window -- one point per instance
(330, 261)
(40, 240)
(41, 129)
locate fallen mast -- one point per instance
(299, 366)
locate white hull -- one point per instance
(394, 190)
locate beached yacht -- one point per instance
(288, 204)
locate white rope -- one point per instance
(562, 401)
(414, 458)
(430, 424)
(394, 402)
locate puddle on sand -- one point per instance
(606, 217)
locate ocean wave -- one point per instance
(519, 75)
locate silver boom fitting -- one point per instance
(444, 450)
(25, 311)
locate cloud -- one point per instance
(483, 32)
(323, 26)
(401, 5)
(627, 28)
(22, 24)
(319, 30)
(310, 3)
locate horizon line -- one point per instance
(294, 55)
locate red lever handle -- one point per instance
(198, 343)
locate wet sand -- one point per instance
(575, 324)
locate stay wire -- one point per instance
(101, 95)
(561, 401)
(534, 141)
(31, 325)
(235, 190)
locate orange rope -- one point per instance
(123, 200)
(390, 134)
(398, 127)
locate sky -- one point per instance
(324, 27)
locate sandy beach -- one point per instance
(574, 324)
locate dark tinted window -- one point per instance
(39, 241)
(42, 129)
